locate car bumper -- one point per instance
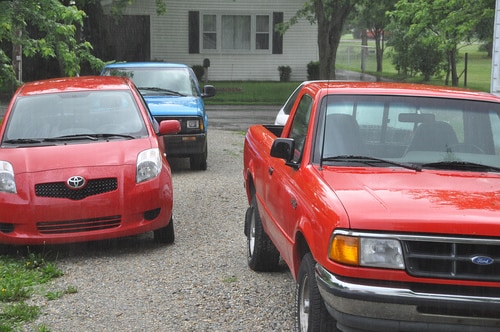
(185, 145)
(46, 220)
(360, 307)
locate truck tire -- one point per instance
(165, 235)
(312, 314)
(262, 254)
(198, 162)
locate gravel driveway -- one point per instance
(200, 283)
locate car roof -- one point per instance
(402, 89)
(146, 65)
(72, 84)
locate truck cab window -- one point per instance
(300, 123)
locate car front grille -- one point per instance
(184, 121)
(60, 190)
(453, 258)
(78, 226)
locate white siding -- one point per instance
(169, 39)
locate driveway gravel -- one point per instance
(199, 283)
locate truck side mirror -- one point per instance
(283, 148)
(208, 91)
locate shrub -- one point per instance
(313, 70)
(285, 72)
(199, 71)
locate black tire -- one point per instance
(198, 162)
(312, 315)
(262, 254)
(165, 235)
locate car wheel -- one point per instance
(262, 254)
(312, 314)
(165, 234)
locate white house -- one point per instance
(236, 36)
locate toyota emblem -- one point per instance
(76, 182)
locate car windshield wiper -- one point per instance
(23, 141)
(92, 137)
(461, 165)
(371, 161)
(75, 137)
(167, 91)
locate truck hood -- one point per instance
(427, 201)
(91, 155)
(161, 105)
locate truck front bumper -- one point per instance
(364, 307)
(185, 145)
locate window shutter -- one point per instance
(277, 37)
(194, 32)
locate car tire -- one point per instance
(312, 314)
(165, 235)
(262, 254)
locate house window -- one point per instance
(234, 33)
(209, 32)
(262, 32)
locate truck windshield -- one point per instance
(423, 131)
(155, 81)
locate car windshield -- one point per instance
(418, 132)
(89, 115)
(170, 81)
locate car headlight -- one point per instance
(7, 181)
(148, 165)
(367, 251)
(193, 124)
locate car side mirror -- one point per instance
(169, 127)
(283, 148)
(208, 91)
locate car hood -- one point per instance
(426, 201)
(76, 156)
(174, 105)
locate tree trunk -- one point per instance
(379, 48)
(329, 33)
(453, 64)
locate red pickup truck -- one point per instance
(384, 201)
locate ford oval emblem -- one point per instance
(76, 182)
(482, 260)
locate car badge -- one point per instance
(76, 182)
(482, 260)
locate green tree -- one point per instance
(45, 28)
(445, 24)
(372, 16)
(330, 16)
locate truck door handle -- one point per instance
(270, 170)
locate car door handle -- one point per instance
(270, 170)
(293, 202)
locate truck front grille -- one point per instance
(478, 259)
(184, 124)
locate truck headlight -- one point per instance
(193, 124)
(7, 181)
(148, 165)
(367, 251)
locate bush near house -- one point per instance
(285, 72)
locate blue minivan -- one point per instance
(172, 92)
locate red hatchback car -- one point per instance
(82, 159)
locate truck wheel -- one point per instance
(165, 234)
(198, 162)
(312, 314)
(262, 254)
